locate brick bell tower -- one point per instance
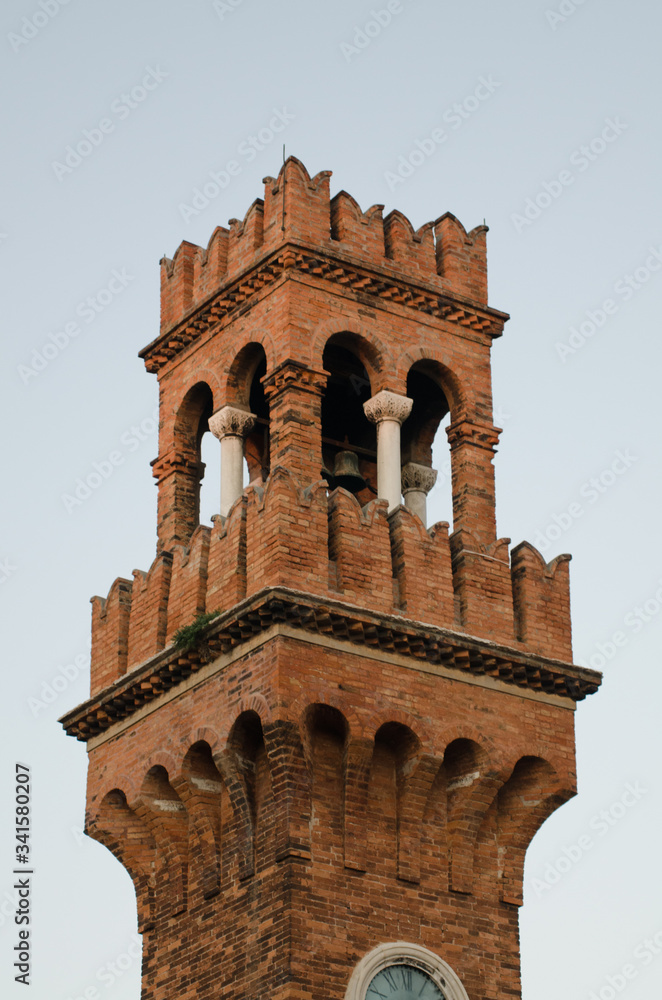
(330, 792)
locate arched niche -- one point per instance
(191, 427)
(245, 390)
(424, 442)
(345, 427)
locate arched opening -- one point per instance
(424, 442)
(195, 493)
(245, 390)
(210, 456)
(256, 447)
(349, 439)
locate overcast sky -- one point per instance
(550, 116)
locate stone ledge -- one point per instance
(456, 651)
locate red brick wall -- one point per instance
(254, 834)
(285, 812)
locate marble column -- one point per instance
(229, 425)
(417, 481)
(388, 411)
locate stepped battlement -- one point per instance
(322, 543)
(297, 209)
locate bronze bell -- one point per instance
(346, 472)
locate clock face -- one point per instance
(403, 982)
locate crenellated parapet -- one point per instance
(322, 543)
(298, 210)
(541, 595)
(364, 231)
(461, 257)
(110, 634)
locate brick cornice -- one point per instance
(387, 284)
(455, 651)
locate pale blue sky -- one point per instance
(533, 89)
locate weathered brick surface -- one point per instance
(284, 809)
(422, 567)
(188, 582)
(541, 593)
(332, 802)
(149, 610)
(286, 530)
(462, 257)
(110, 633)
(227, 559)
(360, 551)
(482, 581)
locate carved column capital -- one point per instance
(387, 405)
(418, 477)
(230, 421)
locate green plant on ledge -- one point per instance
(192, 636)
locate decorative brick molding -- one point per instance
(201, 318)
(468, 656)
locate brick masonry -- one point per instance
(366, 758)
